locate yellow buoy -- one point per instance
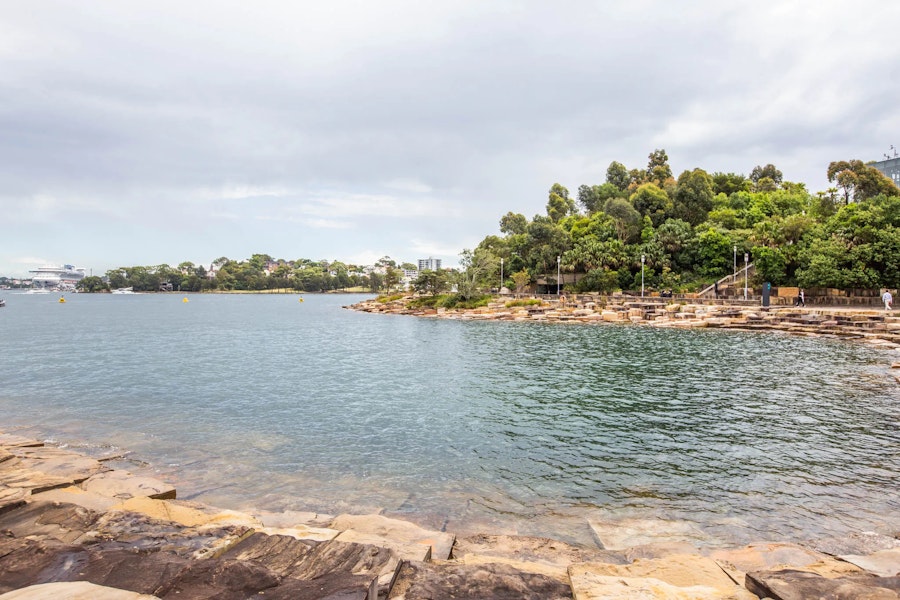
(184, 299)
(62, 300)
(300, 300)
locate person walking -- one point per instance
(888, 299)
(802, 298)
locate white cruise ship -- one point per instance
(61, 278)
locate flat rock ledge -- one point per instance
(877, 327)
(72, 528)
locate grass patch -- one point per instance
(391, 298)
(528, 302)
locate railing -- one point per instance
(731, 279)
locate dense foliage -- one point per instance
(696, 229)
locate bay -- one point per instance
(266, 402)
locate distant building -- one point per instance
(429, 264)
(890, 167)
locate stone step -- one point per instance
(375, 529)
(428, 581)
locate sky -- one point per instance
(151, 132)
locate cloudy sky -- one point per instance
(162, 131)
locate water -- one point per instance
(264, 402)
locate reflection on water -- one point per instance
(263, 401)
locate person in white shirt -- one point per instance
(888, 300)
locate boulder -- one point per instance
(376, 529)
(529, 554)
(75, 590)
(791, 584)
(41, 520)
(428, 581)
(680, 574)
(123, 485)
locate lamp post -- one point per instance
(734, 275)
(643, 259)
(746, 258)
(501, 275)
(558, 258)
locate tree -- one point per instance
(770, 171)
(626, 217)
(520, 279)
(617, 175)
(92, 284)
(431, 282)
(729, 183)
(593, 197)
(860, 181)
(658, 169)
(559, 205)
(513, 223)
(392, 276)
(653, 202)
(475, 266)
(694, 196)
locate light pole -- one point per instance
(643, 259)
(558, 258)
(501, 275)
(746, 258)
(734, 275)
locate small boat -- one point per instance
(2, 303)
(125, 290)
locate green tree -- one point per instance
(694, 196)
(649, 200)
(92, 284)
(618, 176)
(432, 282)
(658, 169)
(627, 219)
(559, 205)
(729, 183)
(860, 181)
(769, 171)
(513, 223)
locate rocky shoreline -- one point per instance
(877, 327)
(72, 526)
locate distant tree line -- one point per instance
(259, 272)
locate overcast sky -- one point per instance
(141, 133)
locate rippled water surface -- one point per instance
(267, 402)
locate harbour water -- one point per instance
(266, 402)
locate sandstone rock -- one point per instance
(611, 316)
(43, 467)
(802, 585)
(589, 586)
(696, 574)
(860, 543)
(25, 562)
(191, 514)
(220, 579)
(49, 521)
(75, 495)
(10, 440)
(626, 533)
(429, 581)
(332, 586)
(371, 529)
(11, 498)
(529, 554)
(142, 532)
(358, 559)
(75, 590)
(884, 563)
(127, 569)
(774, 556)
(124, 485)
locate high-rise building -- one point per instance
(429, 264)
(890, 167)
